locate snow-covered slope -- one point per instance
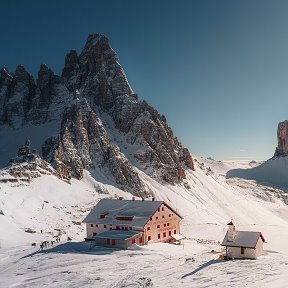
(206, 200)
(273, 172)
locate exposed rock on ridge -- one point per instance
(28, 164)
(282, 137)
(84, 143)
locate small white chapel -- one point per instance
(243, 244)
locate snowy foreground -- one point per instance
(207, 201)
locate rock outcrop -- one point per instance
(28, 164)
(102, 124)
(282, 137)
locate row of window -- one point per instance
(164, 235)
(96, 225)
(113, 241)
(158, 226)
(123, 228)
(163, 216)
(140, 240)
(164, 225)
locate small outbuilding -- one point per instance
(243, 244)
(176, 238)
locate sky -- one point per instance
(217, 70)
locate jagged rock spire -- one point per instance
(282, 137)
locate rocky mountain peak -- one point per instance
(21, 74)
(99, 122)
(94, 39)
(44, 75)
(4, 74)
(71, 67)
(96, 73)
(97, 53)
(20, 69)
(282, 137)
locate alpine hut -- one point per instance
(122, 223)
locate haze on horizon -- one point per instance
(217, 70)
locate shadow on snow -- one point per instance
(203, 266)
(271, 173)
(74, 248)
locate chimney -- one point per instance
(153, 199)
(133, 198)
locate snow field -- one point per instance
(207, 201)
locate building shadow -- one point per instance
(74, 248)
(203, 266)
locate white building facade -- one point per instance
(242, 244)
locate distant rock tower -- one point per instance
(282, 137)
(231, 231)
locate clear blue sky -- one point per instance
(218, 69)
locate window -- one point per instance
(148, 228)
(158, 209)
(140, 240)
(130, 228)
(158, 226)
(108, 241)
(163, 216)
(104, 226)
(91, 225)
(242, 250)
(133, 241)
(126, 228)
(113, 242)
(96, 225)
(164, 225)
(159, 236)
(117, 228)
(169, 233)
(151, 219)
(149, 238)
(122, 228)
(110, 228)
(94, 234)
(169, 215)
(174, 231)
(157, 218)
(168, 224)
(162, 208)
(164, 234)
